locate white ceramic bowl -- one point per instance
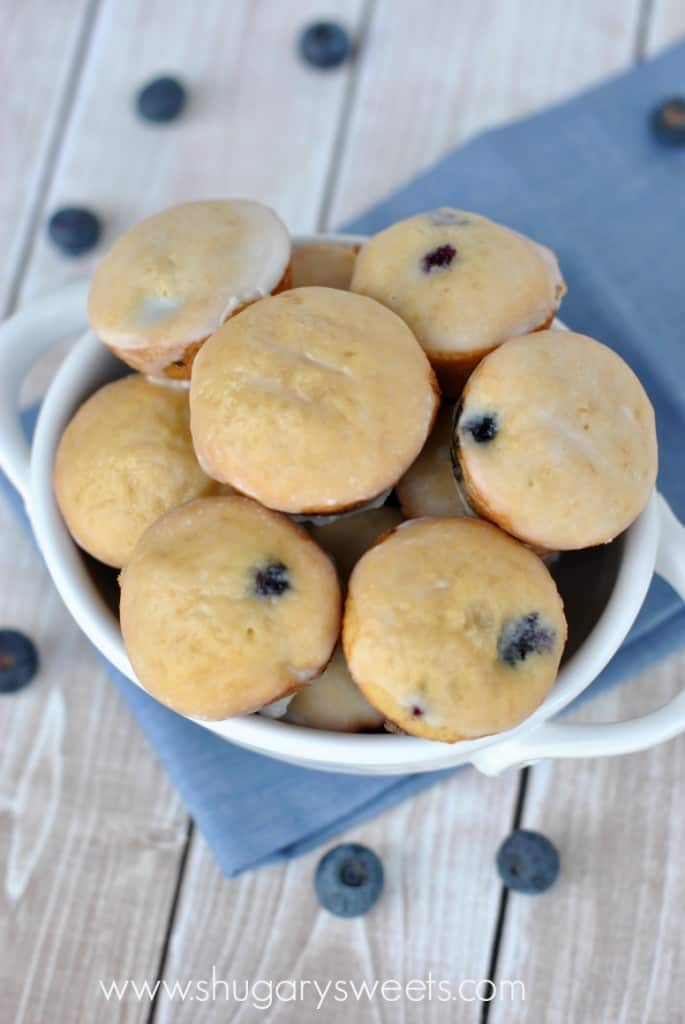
(616, 576)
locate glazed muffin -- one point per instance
(463, 284)
(453, 629)
(312, 401)
(430, 487)
(174, 278)
(125, 458)
(556, 441)
(227, 606)
(334, 702)
(323, 263)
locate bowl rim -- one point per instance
(88, 366)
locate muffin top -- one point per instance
(311, 401)
(227, 606)
(556, 440)
(125, 458)
(175, 277)
(453, 629)
(462, 282)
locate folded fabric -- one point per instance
(590, 180)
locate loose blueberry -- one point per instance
(349, 880)
(18, 661)
(528, 862)
(161, 100)
(438, 259)
(325, 44)
(272, 580)
(74, 230)
(524, 636)
(482, 429)
(668, 121)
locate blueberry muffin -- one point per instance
(174, 278)
(227, 606)
(556, 441)
(125, 458)
(323, 263)
(430, 487)
(453, 629)
(463, 284)
(433, 485)
(334, 702)
(312, 401)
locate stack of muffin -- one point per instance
(335, 480)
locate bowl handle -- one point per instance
(560, 739)
(23, 338)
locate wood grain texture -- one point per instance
(437, 913)
(666, 24)
(82, 827)
(605, 943)
(427, 81)
(91, 830)
(258, 122)
(99, 894)
(34, 83)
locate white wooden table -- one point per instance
(101, 873)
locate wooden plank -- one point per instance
(426, 82)
(68, 747)
(605, 944)
(666, 24)
(91, 830)
(437, 912)
(35, 79)
(97, 899)
(259, 123)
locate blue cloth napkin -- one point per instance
(590, 180)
